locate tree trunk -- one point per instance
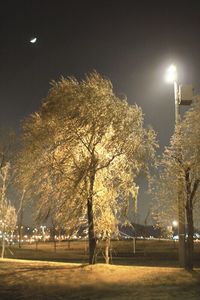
(91, 233)
(181, 230)
(190, 241)
(53, 237)
(20, 235)
(92, 239)
(107, 248)
(21, 216)
(3, 245)
(190, 223)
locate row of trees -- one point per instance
(80, 154)
(178, 175)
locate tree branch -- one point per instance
(109, 161)
(194, 189)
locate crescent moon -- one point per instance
(33, 40)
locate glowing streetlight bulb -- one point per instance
(171, 74)
(175, 223)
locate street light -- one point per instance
(174, 223)
(171, 74)
(174, 231)
(171, 77)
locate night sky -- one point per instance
(130, 42)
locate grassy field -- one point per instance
(148, 252)
(38, 280)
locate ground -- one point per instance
(147, 252)
(150, 272)
(38, 280)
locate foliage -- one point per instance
(181, 156)
(7, 211)
(179, 173)
(84, 149)
(8, 216)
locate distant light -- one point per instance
(175, 223)
(171, 74)
(33, 40)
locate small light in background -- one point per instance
(175, 223)
(171, 74)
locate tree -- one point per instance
(8, 216)
(179, 172)
(7, 211)
(20, 214)
(22, 169)
(84, 149)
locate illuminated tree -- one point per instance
(84, 149)
(7, 211)
(20, 184)
(180, 172)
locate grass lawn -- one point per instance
(38, 280)
(162, 253)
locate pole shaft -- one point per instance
(176, 98)
(181, 208)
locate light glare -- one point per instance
(171, 74)
(175, 223)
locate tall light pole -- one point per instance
(171, 76)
